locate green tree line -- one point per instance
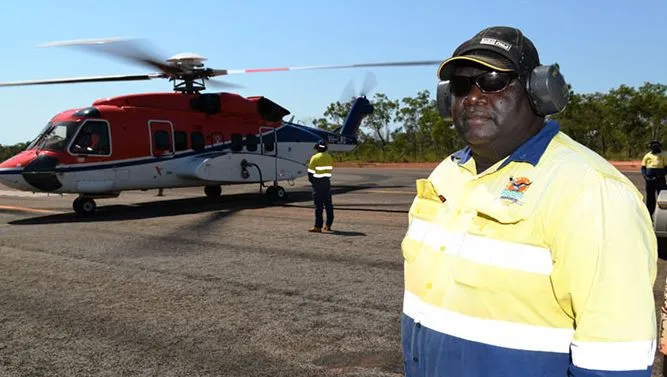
(617, 125)
(7, 151)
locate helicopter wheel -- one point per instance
(275, 194)
(84, 206)
(280, 193)
(213, 191)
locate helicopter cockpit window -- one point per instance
(180, 140)
(92, 139)
(237, 142)
(55, 136)
(251, 142)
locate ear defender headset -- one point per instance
(546, 87)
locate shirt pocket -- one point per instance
(487, 258)
(427, 208)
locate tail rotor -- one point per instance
(350, 93)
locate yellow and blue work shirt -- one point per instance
(321, 165)
(543, 265)
(655, 163)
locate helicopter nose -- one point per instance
(12, 178)
(40, 173)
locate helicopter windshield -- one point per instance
(55, 136)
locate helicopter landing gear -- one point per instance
(84, 206)
(275, 194)
(213, 191)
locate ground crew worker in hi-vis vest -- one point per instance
(526, 254)
(653, 171)
(319, 175)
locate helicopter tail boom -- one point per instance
(360, 109)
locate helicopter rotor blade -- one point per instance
(349, 92)
(130, 49)
(222, 84)
(83, 79)
(313, 67)
(370, 82)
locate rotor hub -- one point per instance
(187, 60)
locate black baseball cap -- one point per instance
(500, 48)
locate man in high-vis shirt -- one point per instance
(319, 175)
(526, 253)
(653, 171)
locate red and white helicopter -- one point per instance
(182, 138)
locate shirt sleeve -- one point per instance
(312, 164)
(605, 255)
(645, 160)
(663, 325)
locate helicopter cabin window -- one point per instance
(237, 142)
(180, 140)
(197, 141)
(268, 141)
(162, 140)
(251, 142)
(92, 139)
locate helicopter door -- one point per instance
(268, 141)
(162, 137)
(269, 147)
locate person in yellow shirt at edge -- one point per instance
(319, 175)
(653, 171)
(526, 253)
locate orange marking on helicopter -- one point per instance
(25, 209)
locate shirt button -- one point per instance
(443, 248)
(429, 285)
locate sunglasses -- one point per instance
(488, 82)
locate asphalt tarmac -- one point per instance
(181, 285)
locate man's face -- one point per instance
(490, 119)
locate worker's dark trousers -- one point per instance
(322, 200)
(653, 189)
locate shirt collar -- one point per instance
(531, 151)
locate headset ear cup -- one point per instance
(548, 90)
(444, 100)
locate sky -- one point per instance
(599, 46)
